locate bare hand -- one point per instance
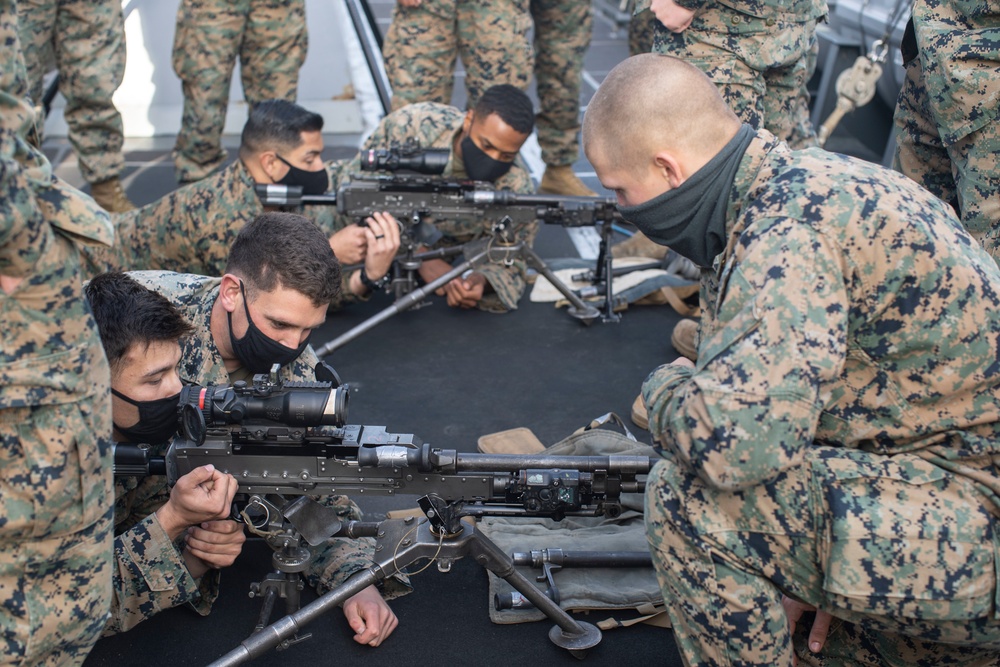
(216, 543)
(370, 617)
(204, 494)
(820, 627)
(673, 17)
(465, 292)
(382, 234)
(350, 244)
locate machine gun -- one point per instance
(417, 199)
(292, 440)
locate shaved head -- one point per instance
(652, 102)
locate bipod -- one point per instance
(500, 246)
(442, 536)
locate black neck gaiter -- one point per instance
(691, 218)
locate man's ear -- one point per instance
(467, 122)
(230, 295)
(269, 162)
(670, 167)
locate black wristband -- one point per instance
(373, 285)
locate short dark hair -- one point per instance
(510, 103)
(276, 125)
(129, 314)
(286, 249)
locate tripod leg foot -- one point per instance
(574, 643)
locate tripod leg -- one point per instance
(609, 294)
(568, 633)
(398, 306)
(578, 307)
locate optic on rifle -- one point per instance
(408, 157)
(265, 401)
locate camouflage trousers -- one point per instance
(270, 39)
(423, 42)
(964, 174)
(640, 32)
(85, 40)
(55, 532)
(901, 552)
(762, 75)
(562, 36)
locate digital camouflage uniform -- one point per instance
(562, 36)
(760, 54)
(437, 126)
(55, 405)
(270, 39)
(150, 573)
(191, 229)
(164, 581)
(947, 134)
(839, 437)
(85, 40)
(640, 31)
(422, 43)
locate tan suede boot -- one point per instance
(685, 339)
(639, 246)
(562, 181)
(639, 415)
(111, 196)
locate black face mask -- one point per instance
(480, 166)
(691, 218)
(256, 351)
(157, 419)
(312, 182)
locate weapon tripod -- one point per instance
(441, 536)
(500, 246)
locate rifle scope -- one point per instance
(430, 161)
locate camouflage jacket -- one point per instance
(436, 126)
(746, 17)
(959, 47)
(56, 480)
(191, 229)
(157, 576)
(150, 574)
(850, 308)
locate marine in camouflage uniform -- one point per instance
(838, 439)
(86, 39)
(55, 405)
(760, 53)
(947, 134)
(270, 39)
(425, 38)
(438, 126)
(150, 573)
(562, 36)
(331, 564)
(191, 229)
